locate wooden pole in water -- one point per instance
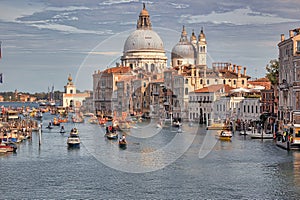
(40, 134)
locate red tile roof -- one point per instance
(118, 70)
(214, 88)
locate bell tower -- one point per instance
(201, 49)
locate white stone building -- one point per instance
(71, 98)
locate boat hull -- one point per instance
(74, 145)
(112, 136)
(260, 136)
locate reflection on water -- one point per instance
(190, 165)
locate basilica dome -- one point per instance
(144, 48)
(183, 49)
(143, 40)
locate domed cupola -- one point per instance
(183, 52)
(144, 48)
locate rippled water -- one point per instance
(241, 169)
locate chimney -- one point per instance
(234, 68)
(245, 71)
(291, 33)
(239, 68)
(282, 37)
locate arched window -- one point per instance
(243, 82)
(224, 81)
(201, 81)
(152, 67)
(186, 81)
(146, 67)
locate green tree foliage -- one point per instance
(273, 71)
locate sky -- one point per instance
(45, 41)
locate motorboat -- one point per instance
(224, 135)
(177, 124)
(261, 135)
(111, 133)
(73, 140)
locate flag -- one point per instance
(1, 78)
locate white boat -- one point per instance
(73, 140)
(261, 135)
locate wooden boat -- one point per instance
(176, 124)
(122, 142)
(224, 135)
(4, 148)
(73, 140)
(63, 120)
(111, 133)
(112, 136)
(62, 130)
(102, 121)
(56, 122)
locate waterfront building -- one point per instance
(71, 98)
(201, 102)
(242, 106)
(249, 109)
(289, 78)
(104, 88)
(147, 82)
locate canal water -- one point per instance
(157, 164)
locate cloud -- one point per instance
(68, 8)
(180, 6)
(243, 16)
(104, 53)
(66, 28)
(111, 2)
(10, 12)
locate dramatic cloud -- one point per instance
(244, 16)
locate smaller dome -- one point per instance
(183, 50)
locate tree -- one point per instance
(273, 71)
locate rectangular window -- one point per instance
(298, 46)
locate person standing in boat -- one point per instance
(123, 138)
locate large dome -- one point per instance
(183, 50)
(143, 40)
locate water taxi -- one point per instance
(224, 135)
(73, 140)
